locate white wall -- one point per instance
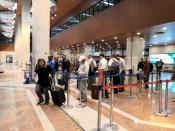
(3, 55)
(161, 50)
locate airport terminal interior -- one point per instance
(87, 65)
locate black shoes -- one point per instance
(39, 102)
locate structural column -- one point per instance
(40, 29)
(134, 52)
(18, 38)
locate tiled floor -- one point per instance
(18, 109)
(137, 113)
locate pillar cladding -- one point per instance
(40, 29)
(134, 52)
(24, 43)
(18, 39)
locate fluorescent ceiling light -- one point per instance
(164, 28)
(86, 14)
(106, 3)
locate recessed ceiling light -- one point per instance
(116, 41)
(115, 37)
(154, 36)
(138, 33)
(164, 28)
(103, 40)
(106, 43)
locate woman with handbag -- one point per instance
(43, 71)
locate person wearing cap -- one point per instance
(83, 74)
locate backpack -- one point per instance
(114, 66)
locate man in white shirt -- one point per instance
(122, 71)
(102, 68)
(83, 73)
(92, 69)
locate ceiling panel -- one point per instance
(160, 34)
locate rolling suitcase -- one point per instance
(58, 96)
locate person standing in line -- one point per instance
(122, 73)
(140, 65)
(159, 67)
(113, 66)
(146, 71)
(102, 69)
(92, 66)
(66, 71)
(43, 83)
(83, 74)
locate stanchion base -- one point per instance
(161, 114)
(80, 105)
(169, 112)
(131, 97)
(67, 107)
(98, 129)
(156, 92)
(109, 127)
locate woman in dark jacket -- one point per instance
(43, 83)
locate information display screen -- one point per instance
(168, 58)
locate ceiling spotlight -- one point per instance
(164, 28)
(55, 15)
(93, 42)
(103, 40)
(52, 18)
(138, 33)
(116, 41)
(115, 37)
(84, 43)
(154, 36)
(106, 43)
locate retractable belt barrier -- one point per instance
(160, 112)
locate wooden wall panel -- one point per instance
(7, 47)
(128, 16)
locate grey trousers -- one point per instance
(83, 90)
(39, 90)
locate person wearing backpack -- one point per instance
(113, 66)
(122, 73)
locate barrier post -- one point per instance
(166, 99)
(160, 112)
(130, 88)
(99, 109)
(111, 126)
(152, 79)
(68, 97)
(140, 87)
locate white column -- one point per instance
(87, 50)
(40, 29)
(67, 53)
(23, 42)
(136, 46)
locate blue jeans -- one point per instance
(41, 89)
